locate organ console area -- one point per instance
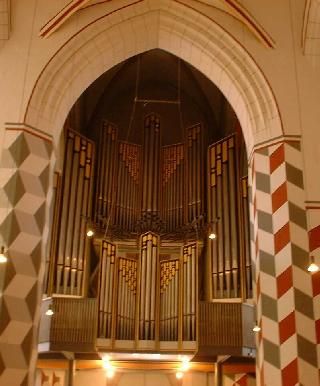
(145, 278)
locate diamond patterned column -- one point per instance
(314, 242)
(287, 353)
(24, 182)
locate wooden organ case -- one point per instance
(152, 207)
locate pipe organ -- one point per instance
(152, 208)
(148, 297)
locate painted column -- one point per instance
(24, 182)
(313, 210)
(287, 353)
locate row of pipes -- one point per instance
(133, 301)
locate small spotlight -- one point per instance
(90, 232)
(3, 257)
(212, 236)
(256, 328)
(313, 267)
(179, 374)
(49, 311)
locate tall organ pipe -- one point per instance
(75, 209)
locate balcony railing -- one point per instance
(73, 326)
(223, 328)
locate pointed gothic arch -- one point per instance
(277, 211)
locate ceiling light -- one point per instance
(3, 257)
(313, 267)
(212, 236)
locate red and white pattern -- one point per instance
(287, 342)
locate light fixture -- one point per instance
(256, 328)
(212, 236)
(179, 374)
(110, 372)
(90, 232)
(185, 365)
(3, 257)
(313, 267)
(212, 226)
(107, 365)
(49, 311)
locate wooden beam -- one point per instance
(85, 364)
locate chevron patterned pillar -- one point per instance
(314, 242)
(287, 354)
(24, 182)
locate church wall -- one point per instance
(290, 74)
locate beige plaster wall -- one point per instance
(293, 79)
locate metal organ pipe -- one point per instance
(75, 210)
(189, 291)
(149, 258)
(223, 202)
(106, 295)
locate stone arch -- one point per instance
(173, 27)
(279, 233)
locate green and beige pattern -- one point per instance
(286, 343)
(24, 182)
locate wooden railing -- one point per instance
(224, 328)
(74, 324)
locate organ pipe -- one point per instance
(224, 254)
(74, 213)
(106, 294)
(106, 180)
(190, 257)
(246, 237)
(195, 169)
(172, 186)
(149, 262)
(127, 208)
(169, 300)
(151, 164)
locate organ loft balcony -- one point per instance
(149, 251)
